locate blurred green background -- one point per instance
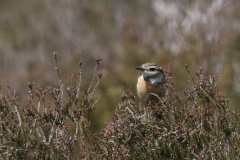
(126, 34)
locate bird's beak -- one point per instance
(139, 68)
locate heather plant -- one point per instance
(42, 130)
(198, 126)
(201, 33)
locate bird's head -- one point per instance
(152, 73)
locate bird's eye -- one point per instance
(152, 69)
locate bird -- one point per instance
(153, 81)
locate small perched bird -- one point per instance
(152, 80)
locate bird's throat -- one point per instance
(157, 80)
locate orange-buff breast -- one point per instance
(144, 90)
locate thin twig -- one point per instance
(79, 79)
(189, 73)
(55, 54)
(16, 110)
(94, 89)
(51, 133)
(18, 115)
(94, 74)
(96, 101)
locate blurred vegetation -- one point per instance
(126, 33)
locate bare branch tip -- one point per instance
(100, 74)
(98, 60)
(80, 62)
(55, 54)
